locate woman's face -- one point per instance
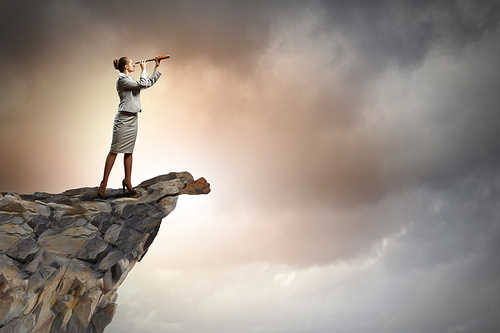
(130, 66)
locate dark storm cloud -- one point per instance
(226, 33)
(378, 36)
(403, 32)
(384, 31)
(22, 25)
(237, 31)
(221, 32)
(32, 31)
(452, 239)
(340, 184)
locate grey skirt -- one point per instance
(124, 132)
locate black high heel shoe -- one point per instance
(129, 187)
(101, 190)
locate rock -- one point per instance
(23, 249)
(93, 249)
(102, 318)
(63, 256)
(23, 324)
(12, 203)
(199, 186)
(40, 224)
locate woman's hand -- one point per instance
(143, 64)
(157, 61)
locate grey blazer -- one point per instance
(129, 90)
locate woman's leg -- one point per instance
(127, 161)
(108, 165)
(110, 161)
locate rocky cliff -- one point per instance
(63, 256)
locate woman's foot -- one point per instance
(129, 187)
(101, 190)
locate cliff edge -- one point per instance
(63, 256)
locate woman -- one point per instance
(125, 124)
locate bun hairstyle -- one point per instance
(120, 63)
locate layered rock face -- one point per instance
(63, 256)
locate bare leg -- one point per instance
(110, 161)
(127, 161)
(108, 165)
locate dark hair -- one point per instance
(120, 63)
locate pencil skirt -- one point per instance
(124, 132)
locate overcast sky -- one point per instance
(353, 149)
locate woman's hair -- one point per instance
(120, 63)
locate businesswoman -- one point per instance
(125, 123)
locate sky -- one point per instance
(352, 149)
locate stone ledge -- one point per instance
(63, 256)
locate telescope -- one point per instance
(152, 59)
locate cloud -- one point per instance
(330, 94)
(339, 136)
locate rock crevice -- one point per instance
(63, 256)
